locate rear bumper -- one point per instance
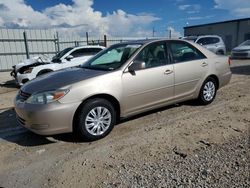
(240, 55)
(225, 79)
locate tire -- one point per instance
(92, 126)
(208, 91)
(42, 72)
(220, 52)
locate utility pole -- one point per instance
(87, 38)
(169, 31)
(26, 45)
(154, 31)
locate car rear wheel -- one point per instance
(220, 52)
(96, 119)
(208, 91)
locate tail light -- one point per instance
(229, 61)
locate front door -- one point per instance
(151, 86)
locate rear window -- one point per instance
(246, 43)
(208, 40)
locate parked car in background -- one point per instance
(37, 66)
(242, 51)
(213, 43)
(123, 80)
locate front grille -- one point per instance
(23, 95)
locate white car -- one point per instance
(36, 66)
(242, 51)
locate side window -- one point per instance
(215, 40)
(79, 53)
(182, 51)
(208, 40)
(153, 55)
(204, 41)
(93, 51)
(85, 52)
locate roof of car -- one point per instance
(88, 46)
(200, 36)
(146, 41)
(143, 41)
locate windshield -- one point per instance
(60, 54)
(113, 57)
(246, 43)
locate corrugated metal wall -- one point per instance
(12, 45)
(47, 42)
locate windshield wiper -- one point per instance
(96, 68)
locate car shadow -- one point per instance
(26, 138)
(10, 131)
(73, 138)
(11, 84)
(243, 70)
(158, 110)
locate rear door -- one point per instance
(151, 86)
(190, 67)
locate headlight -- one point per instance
(46, 97)
(28, 70)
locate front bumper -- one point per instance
(21, 79)
(48, 119)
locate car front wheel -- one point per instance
(208, 91)
(96, 119)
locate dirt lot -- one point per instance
(183, 145)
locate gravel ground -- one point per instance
(183, 145)
(225, 165)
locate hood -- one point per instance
(241, 48)
(31, 61)
(59, 79)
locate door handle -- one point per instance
(168, 71)
(204, 64)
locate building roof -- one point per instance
(228, 21)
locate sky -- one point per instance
(130, 18)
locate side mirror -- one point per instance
(137, 65)
(69, 57)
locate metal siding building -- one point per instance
(233, 32)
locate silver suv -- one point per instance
(213, 43)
